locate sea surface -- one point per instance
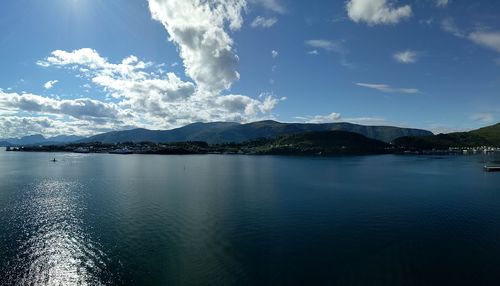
(99, 219)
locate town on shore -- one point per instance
(311, 143)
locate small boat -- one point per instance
(122, 151)
(492, 168)
(82, 150)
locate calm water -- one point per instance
(239, 220)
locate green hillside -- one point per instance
(319, 142)
(491, 133)
(487, 136)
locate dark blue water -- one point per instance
(239, 220)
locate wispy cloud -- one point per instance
(375, 12)
(489, 40)
(367, 120)
(326, 45)
(406, 57)
(486, 38)
(427, 21)
(449, 25)
(263, 22)
(273, 5)
(442, 3)
(387, 88)
(313, 52)
(483, 117)
(330, 46)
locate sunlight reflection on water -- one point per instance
(56, 250)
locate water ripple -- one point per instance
(54, 248)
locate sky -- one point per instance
(83, 67)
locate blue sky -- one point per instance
(90, 66)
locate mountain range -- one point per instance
(40, 140)
(231, 132)
(223, 132)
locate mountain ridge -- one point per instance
(224, 132)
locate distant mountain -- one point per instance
(189, 132)
(39, 140)
(5, 144)
(27, 140)
(223, 132)
(487, 136)
(65, 138)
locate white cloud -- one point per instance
(406, 57)
(128, 79)
(274, 54)
(388, 89)
(442, 3)
(273, 5)
(81, 108)
(313, 52)
(141, 94)
(376, 12)
(12, 126)
(50, 84)
(198, 29)
(332, 117)
(337, 117)
(85, 56)
(263, 22)
(156, 99)
(251, 107)
(489, 40)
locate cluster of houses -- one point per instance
(474, 150)
(118, 148)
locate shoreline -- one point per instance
(298, 154)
